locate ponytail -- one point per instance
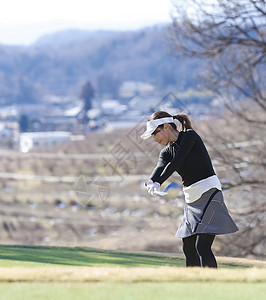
(181, 117)
(184, 120)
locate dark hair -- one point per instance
(181, 117)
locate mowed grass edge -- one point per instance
(130, 274)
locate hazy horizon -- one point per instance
(23, 23)
(32, 36)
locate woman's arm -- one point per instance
(164, 159)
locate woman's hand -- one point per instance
(152, 187)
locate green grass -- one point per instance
(35, 272)
(39, 256)
(139, 291)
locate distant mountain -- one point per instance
(62, 62)
(68, 37)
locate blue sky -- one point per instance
(24, 21)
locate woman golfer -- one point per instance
(205, 213)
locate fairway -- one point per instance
(28, 272)
(128, 291)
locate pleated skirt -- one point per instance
(208, 214)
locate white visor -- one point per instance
(153, 124)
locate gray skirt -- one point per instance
(208, 214)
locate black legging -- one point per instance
(197, 249)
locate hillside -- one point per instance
(62, 62)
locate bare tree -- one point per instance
(230, 36)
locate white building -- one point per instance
(31, 140)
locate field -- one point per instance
(56, 198)
(32, 272)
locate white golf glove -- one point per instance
(152, 187)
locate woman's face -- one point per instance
(161, 136)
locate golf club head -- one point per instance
(172, 185)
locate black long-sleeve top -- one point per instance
(187, 156)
